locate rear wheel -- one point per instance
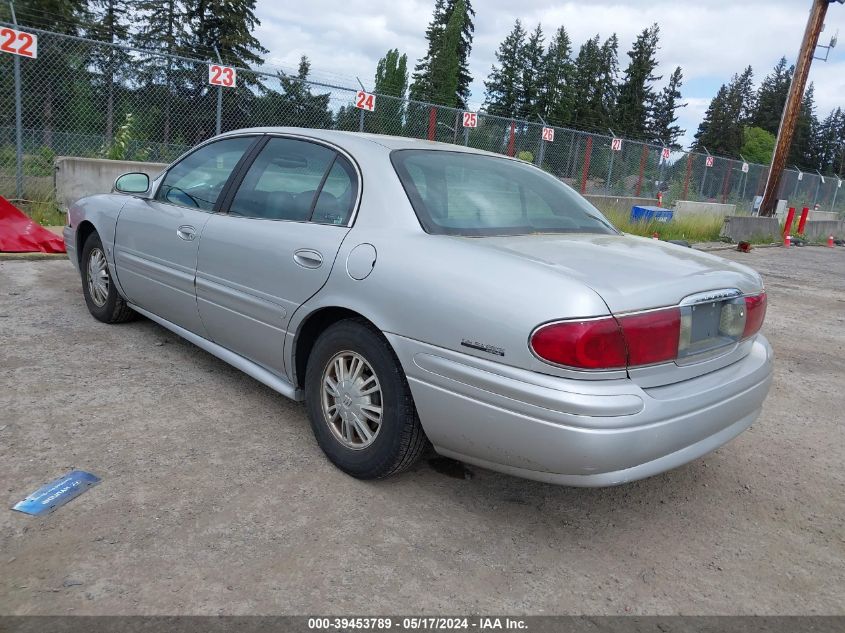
(359, 402)
(102, 298)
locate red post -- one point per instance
(787, 226)
(432, 122)
(804, 213)
(725, 182)
(686, 179)
(512, 140)
(587, 151)
(642, 171)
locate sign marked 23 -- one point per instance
(365, 101)
(18, 43)
(225, 76)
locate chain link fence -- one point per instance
(85, 98)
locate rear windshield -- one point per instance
(459, 193)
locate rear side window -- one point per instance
(460, 193)
(198, 179)
(299, 181)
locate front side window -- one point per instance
(198, 179)
(459, 193)
(297, 180)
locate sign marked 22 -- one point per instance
(225, 76)
(549, 134)
(470, 119)
(365, 101)
(18, 43)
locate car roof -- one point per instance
(344, 139)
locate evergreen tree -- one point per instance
(294, 104)
(391, 81)
(771, 97)
(429, 78)
(503, 95)
(162, 29)
(830, 141)
(803, 152)
(636, 93)
(662, 127)
(111, 24)
(594, 84)
(555, 101)
(531, 87)
(723, 128)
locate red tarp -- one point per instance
(19, 234)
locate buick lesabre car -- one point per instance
(413, 292)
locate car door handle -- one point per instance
(187, 233)
(308, 258)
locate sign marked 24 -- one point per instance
(365, 101)
(18, 43)
(225, 76)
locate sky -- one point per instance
(709, 39)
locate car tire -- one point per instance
(101, 296)
(368, 383)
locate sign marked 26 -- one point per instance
(18, 43)
(549, 134)
(365, 101)
(470, 119)
(225, 76)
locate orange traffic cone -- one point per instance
(787, 240)
(830, 241)
(655, 236)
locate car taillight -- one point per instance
(755, 308)
(593, 344)
(652, 337)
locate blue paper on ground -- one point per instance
(57, 493)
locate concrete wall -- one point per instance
(822, 228)
(820, 215)
(742, 227)
(620, 203)
(686, 208)
(76, 178)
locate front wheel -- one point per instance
(359, 402)
(102, 298)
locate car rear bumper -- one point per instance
(574, 432)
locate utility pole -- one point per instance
(792, 109)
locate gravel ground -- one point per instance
(216, 499)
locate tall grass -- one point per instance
(701, 228)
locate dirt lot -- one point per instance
(216, 499)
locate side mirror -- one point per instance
(133, 182)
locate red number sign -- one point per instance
(365, 101)
(708, 162)
(548, 134)
(745, 169)
(616, 145)
(666, 153)
(470, 119)
(225, 76)
(18, 43)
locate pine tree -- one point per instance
(711, 134)
(429, 78)
(802, 152)
(391, 81)
(595, 83)
(111, 24)
(227, 26)
(661, 126)
(555, 101)
(162, 28)
(531, 87)
(636, 93)
(294, 104)
(771, 97)
(503, 95)
(723, 129)
(584, 79)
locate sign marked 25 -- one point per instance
(365, 101)
(18, 43)
(225, 76)
(470, 119)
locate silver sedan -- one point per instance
(415, 293)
